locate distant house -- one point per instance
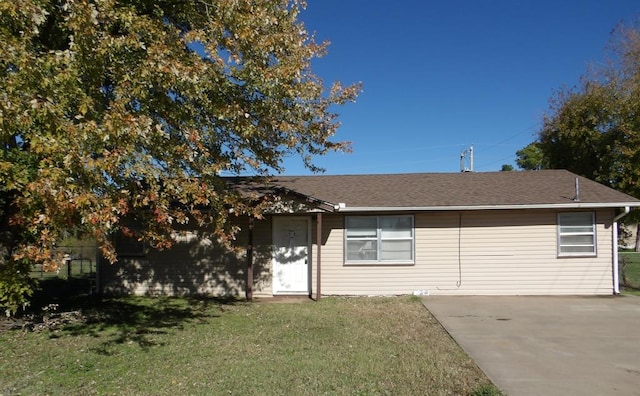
(505, 233)
(630, 236)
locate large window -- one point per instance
(379, 239)
(576, 234)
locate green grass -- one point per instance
(630, 265)
(167, 346)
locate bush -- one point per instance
(16, 286)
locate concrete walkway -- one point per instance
(548, 345)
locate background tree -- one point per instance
(506, 168)
(594, 129)
(531, 157)
(582, 133)
(121, 112)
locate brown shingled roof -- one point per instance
(434, 190)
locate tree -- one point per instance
(506, 168)
(531, 157)
(594, 129)
(583, 134)
(116, 113)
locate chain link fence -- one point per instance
(630, 270)
(77, 266)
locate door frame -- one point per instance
(274, 263)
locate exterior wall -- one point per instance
(473, 253)
(494, 252)
(196, 264)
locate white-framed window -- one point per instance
(379, 240)
(577, 234)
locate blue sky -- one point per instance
(440, 76)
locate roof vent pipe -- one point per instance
(577, 197)
(463, 156)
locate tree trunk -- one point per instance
(7, 230)
(637, 247)
(4, 254)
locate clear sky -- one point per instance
(440, 76)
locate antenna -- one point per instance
(463, 156)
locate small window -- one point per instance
(379, 239)
(129, 246)
(576, 234)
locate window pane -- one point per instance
(575, 229)
(362, 250)
(361, 233)
(576, 219)
(396, 250)
(577, 249)
(396, 227)
(362, 227)
(585, 240)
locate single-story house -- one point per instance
(546, 232)
(630, 237)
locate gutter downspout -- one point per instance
(249, 288)
(616, 267)
(98, 257)
(319, 255)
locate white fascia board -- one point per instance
(573, 205)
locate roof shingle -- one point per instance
(545, 187)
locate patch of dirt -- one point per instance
(283, 300)
(10, 323)
(47, 321)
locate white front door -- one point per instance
(291, 255)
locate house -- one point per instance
(544, 232)
(630, 236)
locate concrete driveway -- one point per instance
(548, 345)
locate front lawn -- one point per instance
(170, 346)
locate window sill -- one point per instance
(131, 255)
(578, 255)
(379, 263)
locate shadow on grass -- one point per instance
(116, 320)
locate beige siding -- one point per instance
(493, 252)
(262, 256)
(196, 264)
(331, 225)
(477, 252)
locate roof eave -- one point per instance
(319, 203)
(573, 205)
